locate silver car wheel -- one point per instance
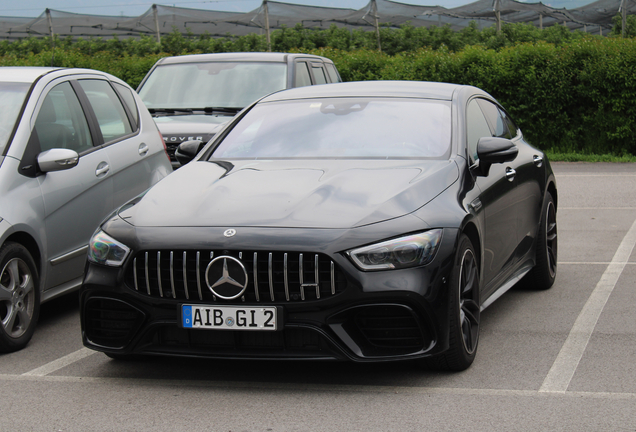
(17, 297)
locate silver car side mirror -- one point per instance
(57, 160)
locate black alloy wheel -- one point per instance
(19, 297)
(464, 312)
(551, 239)
(543, 274)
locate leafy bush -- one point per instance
(575, 97)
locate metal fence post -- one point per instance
(156, 15)
(377, 24)
(50, 21)
(624, 21)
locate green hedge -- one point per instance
(575, 96)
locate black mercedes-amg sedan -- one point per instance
(365, 221)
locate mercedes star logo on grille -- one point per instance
(229, 232)
(226, 277)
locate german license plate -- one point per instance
(229, 318)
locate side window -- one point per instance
(302, 75)
(129, 100)
(319, 73)
(333, 73)
(493, 115)
(61, 122)
(111, 115)
(512, 127)
(476, 127)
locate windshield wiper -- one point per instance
(169, 110)
(231, 110)
(207, 110)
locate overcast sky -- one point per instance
(34, 8)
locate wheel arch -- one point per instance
(553, 191)
(471, 231)
(31, 245)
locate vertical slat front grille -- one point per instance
(272, 276)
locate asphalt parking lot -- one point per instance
(558, 360)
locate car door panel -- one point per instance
(527, 195)
(76, 199)
(497, 199)
(530, 196)
(500, 221)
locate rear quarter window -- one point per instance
(129, 100)
(111, 115)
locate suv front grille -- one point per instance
(272, 276)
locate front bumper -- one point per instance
(372, 316)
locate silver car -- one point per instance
(192, 96)
(74, 145)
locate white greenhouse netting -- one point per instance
(161, 20)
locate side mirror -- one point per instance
(188, 150)
(496, 150)
(492, 150)
(57, 160)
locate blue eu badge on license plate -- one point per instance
(186, 313)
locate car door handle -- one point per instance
(102, 169)
(143, 149)
(538, 161)
(510, 174)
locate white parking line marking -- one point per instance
(596, 175)
(306, 387)
(562, 371)
(593, 263)
(60, 363)
(596, 208)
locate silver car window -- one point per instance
(302, 75)
(61, 122)
(333, 74)
(12, 96)
(111, 115)
(212, 84)
(340, 128)
(319, 74)
(129, 99)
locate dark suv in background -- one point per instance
(192, 96)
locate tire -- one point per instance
(543, 274)
(464, 312)
(19, 297)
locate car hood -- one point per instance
(291, 193)
(190, 124)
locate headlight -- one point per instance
(103, 249)
(403, 252)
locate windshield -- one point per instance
(212, 84)
(341, 127)
(12, 96)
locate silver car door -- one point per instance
(132, 151)
(77, 199)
